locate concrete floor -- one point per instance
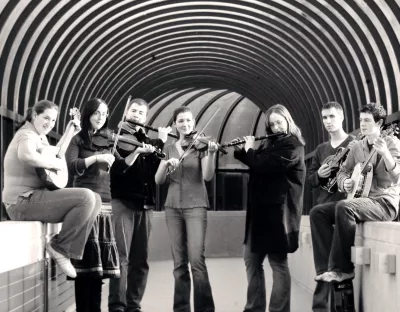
(228, 282)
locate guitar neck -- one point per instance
(371, 154)
(64, 142)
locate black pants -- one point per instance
(88, 294)
(132, 232)
(332, 245)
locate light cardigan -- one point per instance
(385, 184)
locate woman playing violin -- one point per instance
(27, 199)
(88, 163)
(275, 195)
(186, 213)
(133, 195)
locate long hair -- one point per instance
(89, 108)
(38, 108)
(293, 129)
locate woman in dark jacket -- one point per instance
(275, 201)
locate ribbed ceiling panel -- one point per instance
(299, 53)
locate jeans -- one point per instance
(187, 231)
(132, 226)
(332, 245)
(76, 208)
(88, 294)
(281, 282)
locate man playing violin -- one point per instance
(334, 245)
(318, 174)
(132, 195)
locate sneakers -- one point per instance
(334, 277)
(63, 262)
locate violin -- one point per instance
(105, 138)
(128, 127)
(201, 143)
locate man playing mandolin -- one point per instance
(321, 173)
(381, 203)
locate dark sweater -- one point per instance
(95, 177)
(136, 183)
(321, 153)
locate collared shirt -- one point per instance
(186, 184)
(385, 184)
(20, 177)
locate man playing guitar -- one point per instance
(382, 203)
(319, 174)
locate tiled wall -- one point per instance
(22, 290)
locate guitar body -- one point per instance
(53, 180)
(361, 182)
(344, 296)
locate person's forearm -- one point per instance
(90, 160)
(38, 161)
(390, 163)
(161, 173)
(210, 167)
(129, 160)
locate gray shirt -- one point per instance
(186, 184)
(19, 177)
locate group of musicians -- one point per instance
(107, 220)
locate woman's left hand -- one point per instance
(76, 124)
(212, 147)
(250, 142)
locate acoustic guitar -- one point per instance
(57, 179)
(363, 172)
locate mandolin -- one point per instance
(363, 172)
(52, 179)
(335, 161)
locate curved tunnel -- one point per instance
(242, 56)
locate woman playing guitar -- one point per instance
(26, 197)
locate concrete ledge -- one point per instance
(377, 281)
(22, 242)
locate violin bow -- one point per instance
(120, 126)
(195, 138)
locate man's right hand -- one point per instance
(348, 185)
(324, 171)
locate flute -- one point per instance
(258, 138)
(150, 128)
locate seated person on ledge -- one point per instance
(333, 245)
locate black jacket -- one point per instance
(136, 183)
(275, 194)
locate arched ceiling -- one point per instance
(300, 53)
